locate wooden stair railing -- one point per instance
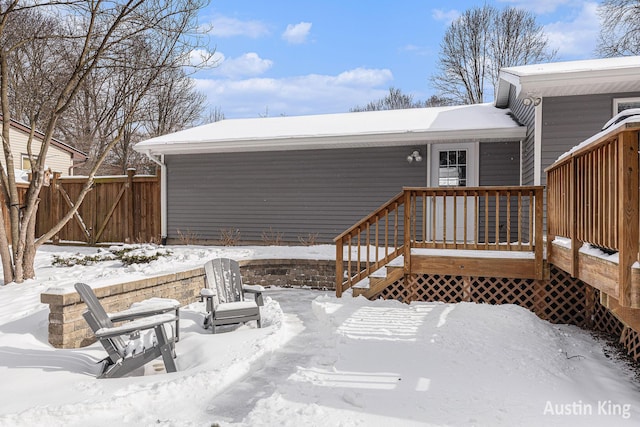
(470, 218)
(371, 244)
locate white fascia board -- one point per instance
(335, 142)
(512, 79)
(536, 84)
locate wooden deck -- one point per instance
(485, 244)
(480, 231)
(593, 218)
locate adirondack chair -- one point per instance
(224, 295)
(124, 356)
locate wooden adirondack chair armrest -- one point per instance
(146, 308)
(137, 325)
(206, 293)
(256, 290)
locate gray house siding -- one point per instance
(499, 163)
(526, 116)
(295, 193)
(499, 166)
(569, 120)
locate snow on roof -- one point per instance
(345, 130)
(593, 76)
(589, 65)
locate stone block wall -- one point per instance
(290, 272)
(68, 329)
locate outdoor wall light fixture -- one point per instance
(415, 156)
(532, 100)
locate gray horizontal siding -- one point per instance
(295, 193)
(499, 163)
(499, 166)
(526, 116)
(569, 120)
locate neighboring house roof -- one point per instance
(345, 130)
(75, 153)
(608, 75)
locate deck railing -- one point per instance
(479, 218)
(371, 243)
(593, 197)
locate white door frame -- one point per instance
(473, 175)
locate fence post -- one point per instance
(130, 238)
(55, 204)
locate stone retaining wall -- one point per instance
(68, 329)
(288, 272)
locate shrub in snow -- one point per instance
(128, 254)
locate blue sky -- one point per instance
(300, 57)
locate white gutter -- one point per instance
(332, 141)
(163, 194)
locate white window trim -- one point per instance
(24, 157)
(617, 101)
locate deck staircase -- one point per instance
(494, 231)
(373, 285)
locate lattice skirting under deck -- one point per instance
(560, 299)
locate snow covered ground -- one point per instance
(318, 360)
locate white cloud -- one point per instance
(308, 94)
(201, 57)
(541, 6)
(248, 64)
(446, 16)
(577, 38)
(298, 33)
(224, 26)
(364, 77)
(417, 50)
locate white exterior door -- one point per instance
(454, 165)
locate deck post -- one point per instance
(628, 226)
(407, 232)
(339, 267)
(539, 266)
(573, 222)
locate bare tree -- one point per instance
(620, 28)
(479, 43)
(439, 101)
(395, 100)
(516, 40)
(91, 37)
(173, 104)
(215, 115)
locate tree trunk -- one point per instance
(30, 247)
(5, 252)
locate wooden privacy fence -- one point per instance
(122, 209)
(479, 218)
